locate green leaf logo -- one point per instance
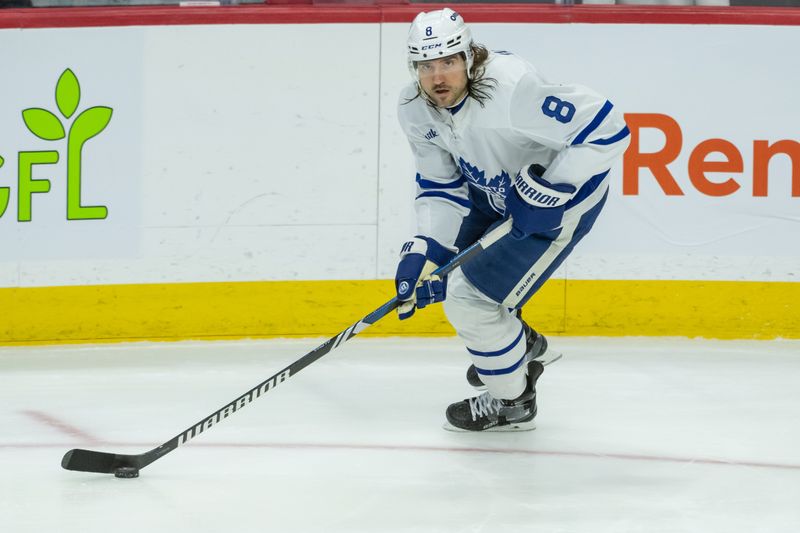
(48, 126)
(91, 122)
(68, 93)
(43, 124)
(1, 161)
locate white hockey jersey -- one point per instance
(570, 130)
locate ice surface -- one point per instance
(634, 435)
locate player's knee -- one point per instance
(457, 311)
(464, 307)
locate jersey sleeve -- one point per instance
(585, 129)
(442, 195)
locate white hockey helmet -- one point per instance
(437, 34)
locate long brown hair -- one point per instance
(479, 87)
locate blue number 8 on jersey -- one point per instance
(561, 110)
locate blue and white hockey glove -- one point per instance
(535, 204)
(415, 286)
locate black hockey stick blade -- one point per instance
(100, 462)
(81, 460)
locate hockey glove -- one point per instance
(415, 286)
(535, 204)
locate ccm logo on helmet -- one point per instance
(431, 46)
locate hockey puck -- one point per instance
(126, 472)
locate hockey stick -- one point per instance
(128, 465)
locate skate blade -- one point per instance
(509, 428)
(549, 357)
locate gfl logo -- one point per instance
(47, 126)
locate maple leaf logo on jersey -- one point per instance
(500, 183)
(497, 185)
(473, 174)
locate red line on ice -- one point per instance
(61, 426)
(445, 449)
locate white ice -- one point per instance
(634, 435)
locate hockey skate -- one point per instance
(484, 413)
(537, 349)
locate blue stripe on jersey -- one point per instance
(439, 194)
(593, 125)
(498, 353)
(624, 132)
(501, 371)
(428, 184)
(588, 188)
(456, 108)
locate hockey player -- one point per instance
(492, 139)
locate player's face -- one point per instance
(444, 80)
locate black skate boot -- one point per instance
(484, 413)
(536, 349)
